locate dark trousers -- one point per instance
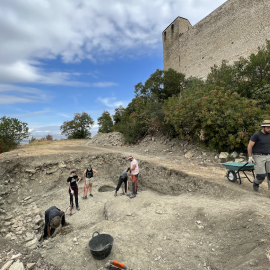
(63, 221)
(120, 181)
(75, 189)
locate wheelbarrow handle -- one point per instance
(242, 167)
(94, 233)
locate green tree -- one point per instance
(226, 119)
(163, 84)
(105, 122)
(12, 132)
(250, 77)
(79, 127)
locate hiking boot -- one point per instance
(132, 196)
(255, 187)
(115, 193)
(78, 208)
(66, 224)
(91, 195)
(85, 197)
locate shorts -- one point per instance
(88, 181)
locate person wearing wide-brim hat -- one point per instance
(259, 154)
(53, 218)
(88, 175)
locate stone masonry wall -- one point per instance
(237, 28)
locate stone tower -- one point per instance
(235, 29)
(170, 37)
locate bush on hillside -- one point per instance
(221, 118)
(12, 132)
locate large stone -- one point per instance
(239, 160)
(31, 266)
(38, 219)
(189, 154)
(30, 171)
(51, 171)
(29, 237)
(223, 155)
(17, 266)
(234, 154)
(32, 244)
(7, 265)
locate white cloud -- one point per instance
(11, 94)
(74, 30)
(27, 114)
(112, 102)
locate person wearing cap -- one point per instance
(73, 188)
(134, 168)
(259, 154)
(88, 175)
(53, 218)
(123, 179)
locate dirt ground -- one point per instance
(187, 215)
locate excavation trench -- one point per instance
(178, 221)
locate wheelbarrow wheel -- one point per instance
(232, 177)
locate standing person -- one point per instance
(87, 175)
(134, 167)
(259, 154)
(123, 179)
(53, 218)
(73, 188)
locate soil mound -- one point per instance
(106, 139)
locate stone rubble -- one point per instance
(106, 139)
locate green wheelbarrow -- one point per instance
(234, 169)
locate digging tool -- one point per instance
(71, 208)
(84, 190)
(115, 265)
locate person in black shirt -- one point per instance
(53, 218)
(88, 175)
(123, 179)
(73, 188)
(259, 154)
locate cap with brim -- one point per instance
(55, 222)
(266, 123)
(129, 157)
(89, 165)
(73, 171)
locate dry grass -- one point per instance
(39, 142)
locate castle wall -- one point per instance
(235, 29)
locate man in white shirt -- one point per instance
(134, 168)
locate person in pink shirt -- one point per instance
(134, 168)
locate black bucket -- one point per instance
(100, 245)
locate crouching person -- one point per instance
(53, 218)
(123, 179)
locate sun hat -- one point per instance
(266, 123)
(89, 165)
(55, 222)
(129, 157)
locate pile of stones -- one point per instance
(106, 139)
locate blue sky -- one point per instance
(62, 57)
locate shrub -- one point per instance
(49, 137)
(32, 139)
(226, 119)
